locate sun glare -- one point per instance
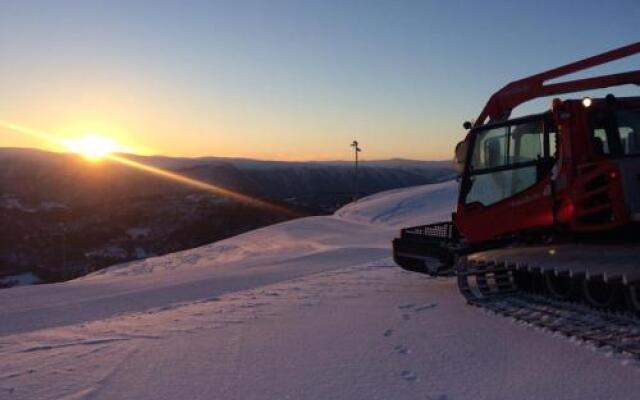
(92, 146)
(95, 147)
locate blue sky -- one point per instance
(284, 79)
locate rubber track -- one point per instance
(620, 332)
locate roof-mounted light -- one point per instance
(586, 102)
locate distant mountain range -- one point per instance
(61, 216)
(34, 176)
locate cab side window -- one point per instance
(491, 149)
(527, 142)
(599, 142)
(629, 130)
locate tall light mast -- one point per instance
(356, 150)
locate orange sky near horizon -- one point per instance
(157, 120)
(234, 146)
(181, 130)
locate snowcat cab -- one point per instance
(574, 168)
(569, 174)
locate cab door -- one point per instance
(506, 185)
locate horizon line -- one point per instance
(231, 157)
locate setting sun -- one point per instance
(93, 147)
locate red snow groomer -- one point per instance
(549, 202)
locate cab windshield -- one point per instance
(507, 159)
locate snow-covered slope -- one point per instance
(404, 207)
(307, 309)
(350, 227)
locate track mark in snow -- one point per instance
(385, 265)
(352, 296)
(72, 345)
(426, 307)
(406, 317)
(89, 342)
(254, 305)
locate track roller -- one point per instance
(600, 294)
(560, 287)
(632, 298)
(479, 281)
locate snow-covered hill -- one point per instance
(404, 207)
(308, 309)
(39, 189)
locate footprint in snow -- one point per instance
(400, 349)
(388, 332)
(425, 307)
(406, 306)
(408, 376)
(406, 317)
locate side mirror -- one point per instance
(460, 156)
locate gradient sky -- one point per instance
(283, 79)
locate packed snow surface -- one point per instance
(308, 309)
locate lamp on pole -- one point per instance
(356, 150)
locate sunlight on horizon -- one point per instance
(94, 147)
